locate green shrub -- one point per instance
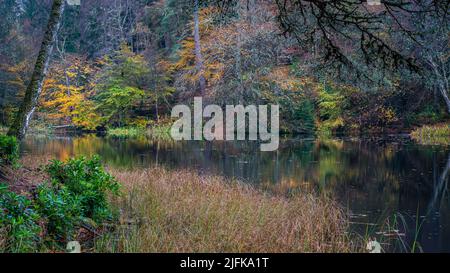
(86, 179)
(78, 192)
(61, 210)
(20, 220)
(9, 150)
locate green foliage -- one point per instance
(87, 179)
(121, 84)
(20, 219)
(61, 209)
(429, 114)
(330, 103)
(9, 150)
(115, 100)
(77, 194)
(305, 112)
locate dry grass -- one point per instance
(181, 211)
(22, 180)
(432, 135)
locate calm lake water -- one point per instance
(383, 183)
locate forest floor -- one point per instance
(182, 211)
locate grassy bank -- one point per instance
(181, 211)
(126, 132)
(156, 132)
(171, 211)
(432, 134)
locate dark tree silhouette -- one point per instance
(354, 23)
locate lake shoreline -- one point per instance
(357, 173)
(182, 211)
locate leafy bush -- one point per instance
(78, 191)
(86, 179)
(9, 150)
(427, 115)
(61, 210)
(20, 219)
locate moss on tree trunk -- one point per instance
(26, 110)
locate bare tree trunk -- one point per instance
(26, 110)
(198, 50)
(441, 75)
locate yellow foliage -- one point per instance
(213, 70)
(388, 114)
(139, 122)
(65, 94)
(282, 77)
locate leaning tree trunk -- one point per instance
(198, 50)
(26, 110)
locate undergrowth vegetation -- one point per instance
(48, 217)
(9, 150)
(181, 211)
(164, 211)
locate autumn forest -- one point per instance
(331, 69)
(87, 162)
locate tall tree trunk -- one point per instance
(441, 78)
(198, 50)
(26, 110)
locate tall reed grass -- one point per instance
(182, 211)
(434, 134)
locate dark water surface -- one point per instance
(392, 188)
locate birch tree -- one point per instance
(34, 89)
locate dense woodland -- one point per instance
(332, 66)
(343, 67)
